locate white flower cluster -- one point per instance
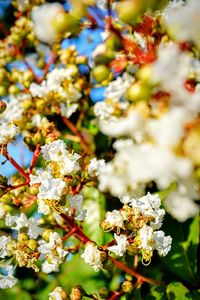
(8, 131)
(134, 165)
(62, 162)
(8, 281)
(148, 237)
(57, 294)
(53, 84)
(21, 221)
(43, 17)
(94, 166)
(182, 20)
(53, 252)
(92, 256)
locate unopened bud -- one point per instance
(32, 244)
(101, 73)
(138, 91)
(127, 286)
(3, 106)
(77, 293)
(22, 237)
(46, 235)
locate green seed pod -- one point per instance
(129, 11)
(32, 244)
(127, 286)
(65, 22)
(22, 237)
(3, 90)
(101, 73)
(137, 91)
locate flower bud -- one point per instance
(137, 91)
(77, 293)
(129, 11)
(46, 235)
(127, 286)
(22, 237)
(101, 73)
(32, 244)
(145, 73)
(3, 180)
(3, 90)
(103, 292)
(65, 22)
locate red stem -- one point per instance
(73, 128)
(15, 164)
(34, 158)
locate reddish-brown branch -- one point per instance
(4, 29)
(79, 234)
(15, 164)
(140, 278)
(47, 66)
(34, 158)
(83, 141)
(14, 187)
(115, 295)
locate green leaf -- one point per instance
(177, 291)
(156, 293)
(94, 202)
(182, 259)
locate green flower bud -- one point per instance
(137, 91)
(46, 235)
(101, 73)
(127, 286)
(22, 237)
(145, 73)
(103, 292)
(65, 22)
(129, 11)
(3, 90)
(32, 244)
(13, 89)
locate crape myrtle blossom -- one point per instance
(181, 19)
(120, 248)
(57, 152)
(8, 131)
(43, 17)
(136, 225)
(92, 256)
(134, 165)
(177, 65)
(94, 166)
(57, 294)
(4, 240)
(154, 240)
(21, 221)
(8, 281)
(53, 251)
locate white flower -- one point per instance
(57, 294)
(53, 251)
(118, 87)
(40, 176)
(103, 110)
(162, 243)
(67, 110)
(180, 203)
(115, 218)
(76, 202)
(146, 235)
(169, 129)
(182, 20)
(9, 280)
(37, 120)
(149, 205)
(135, 165)
(56, 151)
(92, 256)
(129, 125)
(8, 132)
(122, 243)
(43, 17)
(51, 189)
(4, 240)
(53, 151)
(22, 221)
(43, 208)
(94, 166)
